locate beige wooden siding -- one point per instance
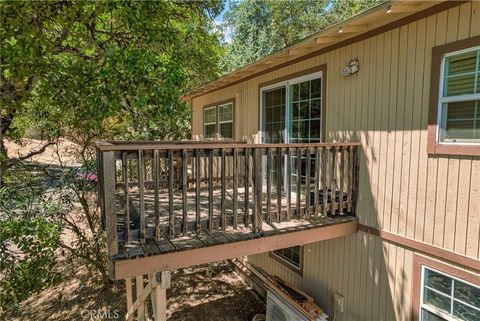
(374, 276)
(434, 199)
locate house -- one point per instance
(347, 164)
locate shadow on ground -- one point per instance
(207, 292)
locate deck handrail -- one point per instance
(264, 183)
(135, 146)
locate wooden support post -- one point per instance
(159, 295)
(108, 204)
(128, 286)
(141, 306)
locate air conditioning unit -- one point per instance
(280, 309)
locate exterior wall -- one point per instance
(432, 199)
(374, 275)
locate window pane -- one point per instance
(459, 85)
(274, 111)
(225, 113)
(304, 110)
(209, 115)
(315, 129)
(438, 282)
(464, 312)
(316, 88)
(290, 254)
(315, 108)
(460, 74)
(429, 316)
(226, 130)
(210, 131)
(295, 92)
(305, 90)
(460, 120)
(436, 300)
(462, 63)
(467, 293)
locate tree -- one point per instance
(86, 71)
(260, 27)
(103, 69)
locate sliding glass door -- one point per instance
(292, 113)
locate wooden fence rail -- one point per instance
(154, 189)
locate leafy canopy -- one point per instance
(259, 27)
(104, 68)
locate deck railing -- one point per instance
(177, 188)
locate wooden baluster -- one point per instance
(289, 184)
(269, 185)
(257, 187)
(235, 187)
(126, 195)
(141, 192)
(247, 186)
(307, 192)
(210, 190)
(332, 182)
(279, 184)
(171, 213)
(299, 181)
(342, 177)
(197, 191)
(317, 181)
(324, 180)
(184, 192)
(131, 171)
(223, 193)
(350, 178)
(156, 186)
(356, 172)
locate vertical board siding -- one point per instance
(403, 190)
(385, 106)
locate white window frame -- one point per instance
(225, 121)
(286, 84)
(217, 122)
(441, 120)
(434, 310)
(214, 123)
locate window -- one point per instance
(291, 257)
(454, 106)
(459, 102)
(274, 115)
(292, 109)
(218, 121)
(447, 298)
(210, 122)
(306, 111)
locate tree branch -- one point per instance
(36, 152)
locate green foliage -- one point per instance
(29, 236)
(260, 27)
(104, 69)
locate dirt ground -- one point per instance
(204, 293)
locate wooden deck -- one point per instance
(175, 205)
